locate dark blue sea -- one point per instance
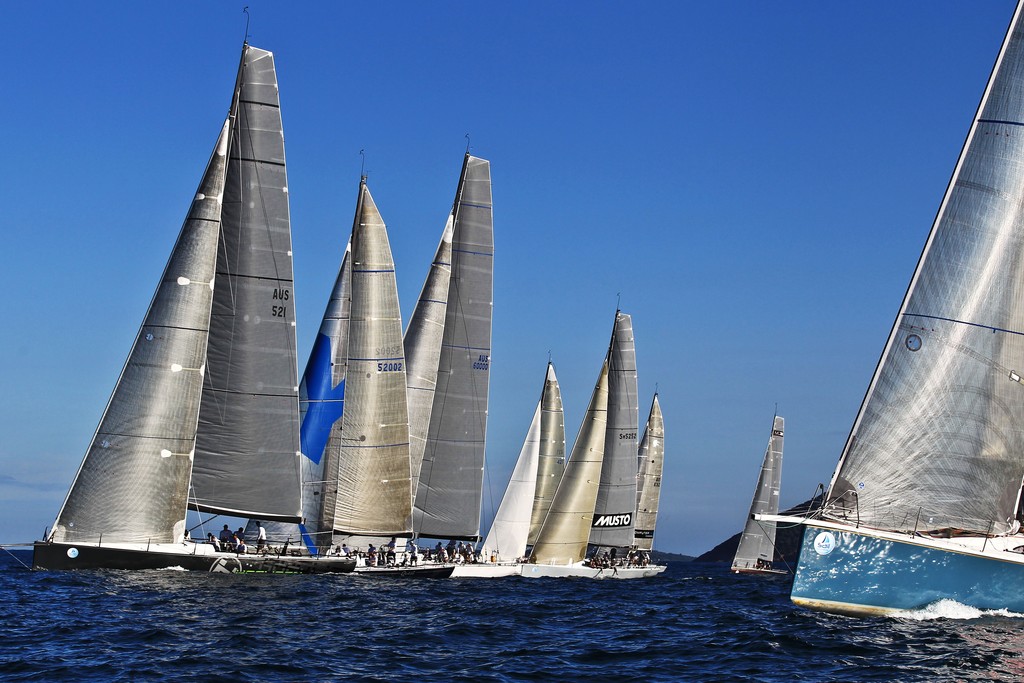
(696, 622)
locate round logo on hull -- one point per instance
(824, 543)
(72, 553)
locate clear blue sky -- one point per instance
(755, 178)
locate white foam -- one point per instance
(172, 569)
(951, 609)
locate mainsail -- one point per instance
(511, 525)
(247, 444)
(756, 548)
(450, 487)
(132, 484)
(563, 538)
(422, 343)
(373, 494)
(652, 459)
(551, 458)
(616, 499)
(939, 441)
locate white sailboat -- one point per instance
(925, 502)
(756, 549)
(205, 412)
(651, 458)
(561, 547)
(505, 545)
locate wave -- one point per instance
(951, 609)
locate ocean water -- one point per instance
(696, 622)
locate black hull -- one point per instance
(419, 572)
(72, 556)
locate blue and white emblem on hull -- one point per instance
(824, 543)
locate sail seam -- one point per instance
(1009, 123)
(251, 160)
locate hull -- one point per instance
(581, 571)
(193, 557)
(759, 571)
(421, 571)
(862, 573)
(487, 570)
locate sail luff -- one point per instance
(756, 548)
(652, 459)
(937, 443)
(374, 488)
(132, 485)
(422, 341)
(511, 526)
(450, 488)
(247, 446)
(566, 529)
(551, 458)
(613, 521)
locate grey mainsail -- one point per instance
(423, 338)
(563, 537)
(132, 484)
(551, 458)
(938, 442)
(616, 499)
(756, 548)
(450, 487)
(652, 460)
(373, 495)
(247, 444)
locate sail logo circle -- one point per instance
(913, 342)
(824, 543)
(72, 553)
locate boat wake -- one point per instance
(951, 609)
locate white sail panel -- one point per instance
(551, 458)
(652, 460)
(423, 339)
(247, 445)
(939, 440)
(616, 499)
(756, 548)
(133, 482)
(563, 538)
(450, 488)
(511, 525)
(373, 495)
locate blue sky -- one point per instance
(754, 180)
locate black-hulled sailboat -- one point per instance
(204, 415)
(756, 550)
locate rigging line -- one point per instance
(15, 557)
(245, 10)
(775, 548)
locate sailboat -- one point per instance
(204, 414)
(924, 504)
(505, 544)
(561, 547)
(756, 548)
(651, 458)
(448, 490)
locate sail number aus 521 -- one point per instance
(280, 294)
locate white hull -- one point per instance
(487, 570)
(581, 570)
